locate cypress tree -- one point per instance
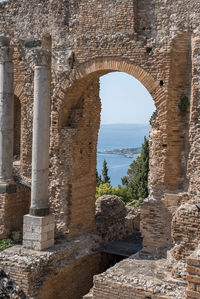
(136, 180)
(106, 178)
(98, 179)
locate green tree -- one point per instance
(106, 178)
(120, 191)
(136, 179)
(98, 178)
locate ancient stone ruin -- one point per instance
(52, 54)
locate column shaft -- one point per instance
(6, 112)
(40, 147)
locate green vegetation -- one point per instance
(135, 183)
(98, 179)
(136, 180)
(5, 243)
(183, 103)
(120, 191)
(106, 178)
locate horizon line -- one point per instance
(124, 124)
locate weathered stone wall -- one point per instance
(193, 275)
(156, 219)
(12, 209)
(60, 272)
(73, 161)
(138, 278)
(185, 230)
(157, 43)
(72, 281)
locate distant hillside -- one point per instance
(126, 152)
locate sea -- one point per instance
(118, 136)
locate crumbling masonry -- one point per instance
(52, 54)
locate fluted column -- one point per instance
(38, 228)
(6, 117)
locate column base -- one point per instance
(38, 232)
(39, 212)
(8, 187)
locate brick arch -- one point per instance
(121, 65)
(111, 64)
(76, 138)
(19, 92)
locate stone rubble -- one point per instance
(114, 220)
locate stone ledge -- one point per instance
(141, 277)
(30, 268)
(66, 251)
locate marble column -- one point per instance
(6, 117)
(39, 225)
(41, 127)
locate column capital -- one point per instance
(5, 50)
(42, 57)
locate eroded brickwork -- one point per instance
(193, 275)
(57, 271)
(103, 38)
(140, 279)
(158, 43)
(12, 209)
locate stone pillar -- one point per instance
(39, 225)
(6, 117)
(41, 127)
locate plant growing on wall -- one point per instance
(183, 103)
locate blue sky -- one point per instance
(124, 99)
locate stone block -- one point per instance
(7, 188)
(38, 220)
(38, 232)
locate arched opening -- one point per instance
(78, 125)
(73, 151)
(17, 129)
(126, 109)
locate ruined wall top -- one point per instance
(95, 24)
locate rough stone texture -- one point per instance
(115, 221)
(185, 220)
(12, 209)
(42, 274)
(72, 281)
(138, 278)
(103, 37)
(8, 288)
(156, 217)
(158, 43)
(193, 275)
